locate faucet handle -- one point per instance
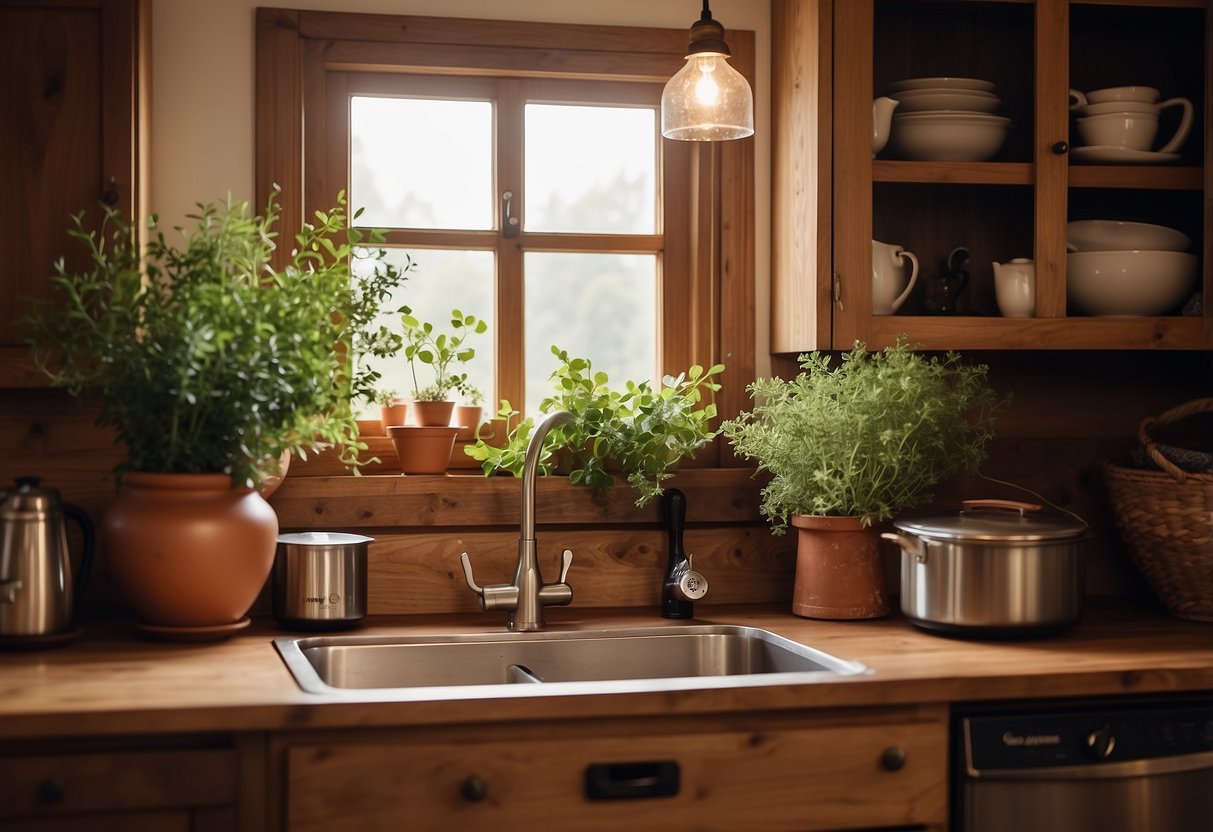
(566, 560)
(690, 585)
(493, 596)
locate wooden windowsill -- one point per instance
(384, 501)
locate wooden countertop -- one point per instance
(112, 681)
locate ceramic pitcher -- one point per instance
(1015, 287)
(882, 120)
(889, 285)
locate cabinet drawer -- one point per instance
(46, 785)
(815, 778)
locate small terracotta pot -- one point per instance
(431, 414)
(423, 449)
(467, 418)
(839, 569)
(189, 552)
(393, 414)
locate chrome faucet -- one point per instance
(526, 597)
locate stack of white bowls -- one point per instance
(947, 120)
(1127, 268)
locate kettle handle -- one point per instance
(1009, 505)
(81, 519)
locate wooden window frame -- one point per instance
(706, 314)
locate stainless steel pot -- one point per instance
(319, 580)
(996, 568)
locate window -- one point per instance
(530, 184)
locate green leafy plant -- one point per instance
(385, 398)
(470, 394)
(868, 436)
(644, 430)
(438, 350)
(208, 358)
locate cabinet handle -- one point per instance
(50, 790)
(1061, 148)
(474, 789)
(631, 781)
(893, 758)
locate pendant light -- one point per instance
(708, 100)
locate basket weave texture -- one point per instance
(1166, 520)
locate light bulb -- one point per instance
(707, 91)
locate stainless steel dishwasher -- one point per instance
(1113, 766)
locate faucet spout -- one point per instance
(526, 597)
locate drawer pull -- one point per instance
(50, 790)
(474, 789)
(893, 759)
(631, 781)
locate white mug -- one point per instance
(889, 286)
(1134, 129)
(1145, 95)
(1015, 288)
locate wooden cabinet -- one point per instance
(813, 772)
(831, 59)
(70, 81)
(131, 786)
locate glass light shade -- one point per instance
(707, 101)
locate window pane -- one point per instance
(421, 163)
(597, 306)
(441, 281)
(591, 169)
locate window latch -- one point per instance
(509, 222)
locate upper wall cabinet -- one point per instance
(69, 133)
(1023, 71)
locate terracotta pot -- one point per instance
(189, 552)
(432, 414)
(271, 481)
(393, 414)
(467, 418)
(423, 450)
(840, 569)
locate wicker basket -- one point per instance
(1166, 519)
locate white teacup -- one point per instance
(889, 286)
(1132, 124)
(1145, 95)
(1015, 288)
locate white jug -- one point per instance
(889, 277)
(1015, 288)
(882, 120)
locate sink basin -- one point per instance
(554, 662)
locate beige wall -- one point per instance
(202, 91)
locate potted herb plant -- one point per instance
(392, 409)
(212, 367)
(469, 410)
(642, 431)
(424, 447)
(850, 443)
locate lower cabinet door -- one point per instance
(844, 777)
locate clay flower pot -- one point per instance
(189, 552)
(393, 414)
(423, 449)
(431, 414)
(839, 569)
(467, 418)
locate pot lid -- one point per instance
(1001, 521)
(322, 539)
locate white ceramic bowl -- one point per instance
(941, 82)
(1105, 235)
(1129, 282)
(973, 101)
(1145, 94)
(948, 137)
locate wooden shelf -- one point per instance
(1137, 176)
(1078, 333)
(954, 173)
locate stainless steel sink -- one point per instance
(554, 662)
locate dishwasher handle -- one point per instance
(1098, 771)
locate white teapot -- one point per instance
(889, 277)
(882, 121)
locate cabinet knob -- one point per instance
(473, 789)
(50, 790)
(1061, 148)
(893, 758)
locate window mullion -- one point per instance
(510, 340)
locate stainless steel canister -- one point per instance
(1000, 569)
(319, 580)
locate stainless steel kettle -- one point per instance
(37, 592)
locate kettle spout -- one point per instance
(882, 120)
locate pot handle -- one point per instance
(1009, 505)
(910, 545)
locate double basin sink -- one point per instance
(554, 662)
